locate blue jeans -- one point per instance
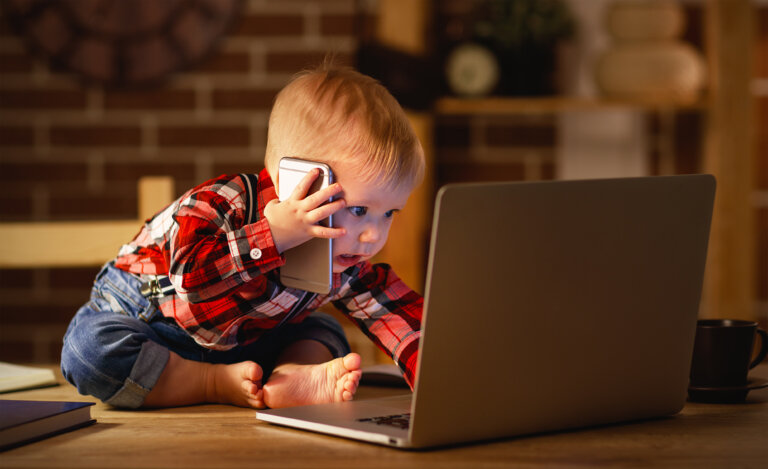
(118, 344)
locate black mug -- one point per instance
(722, 353)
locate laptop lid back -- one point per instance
(559, 304)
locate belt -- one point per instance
(159, 286)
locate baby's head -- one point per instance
(348, 120)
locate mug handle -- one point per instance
(763, 348)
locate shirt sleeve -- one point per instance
(387, 311)
(215, 248)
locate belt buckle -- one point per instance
(150, 288)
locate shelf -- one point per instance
(541, 105)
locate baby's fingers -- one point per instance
(324, 211)
(302, 187)
(318, 231)
(323, 195)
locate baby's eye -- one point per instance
(357, 210)
(390, 213)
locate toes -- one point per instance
(256, 403)
(350, 390)
(348, 385)
(351, 361)
(250, 388)
(258, 400)
(351, 380)
(252, 372)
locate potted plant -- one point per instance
(525, 36)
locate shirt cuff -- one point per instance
(253, 248)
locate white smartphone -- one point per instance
(308, 266)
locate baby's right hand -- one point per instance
(294, 220)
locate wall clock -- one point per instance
(122, 43)
(472, 70)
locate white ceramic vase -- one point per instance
(647, 60)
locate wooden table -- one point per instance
(701, 436)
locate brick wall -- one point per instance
(495, 148)
(73, 152)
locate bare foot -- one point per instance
(237, 384)
(186, 382)
(296, 384)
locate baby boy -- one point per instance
(192, 310)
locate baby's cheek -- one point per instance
(380, 244)
(384, 236)
(339, 245)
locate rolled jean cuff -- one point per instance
(146, 371)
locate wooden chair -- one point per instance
(79, 243)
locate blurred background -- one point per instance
(96, 94)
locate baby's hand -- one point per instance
(295, 220)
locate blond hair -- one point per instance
(330, 113)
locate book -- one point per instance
(18, 377)
(23, 422)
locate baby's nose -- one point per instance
(370, 234)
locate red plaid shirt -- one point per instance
(215, 245)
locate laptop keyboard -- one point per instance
(401, 421)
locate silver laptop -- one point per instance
(548, 306)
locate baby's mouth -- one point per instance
(348, 259)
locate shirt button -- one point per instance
(255, 254)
